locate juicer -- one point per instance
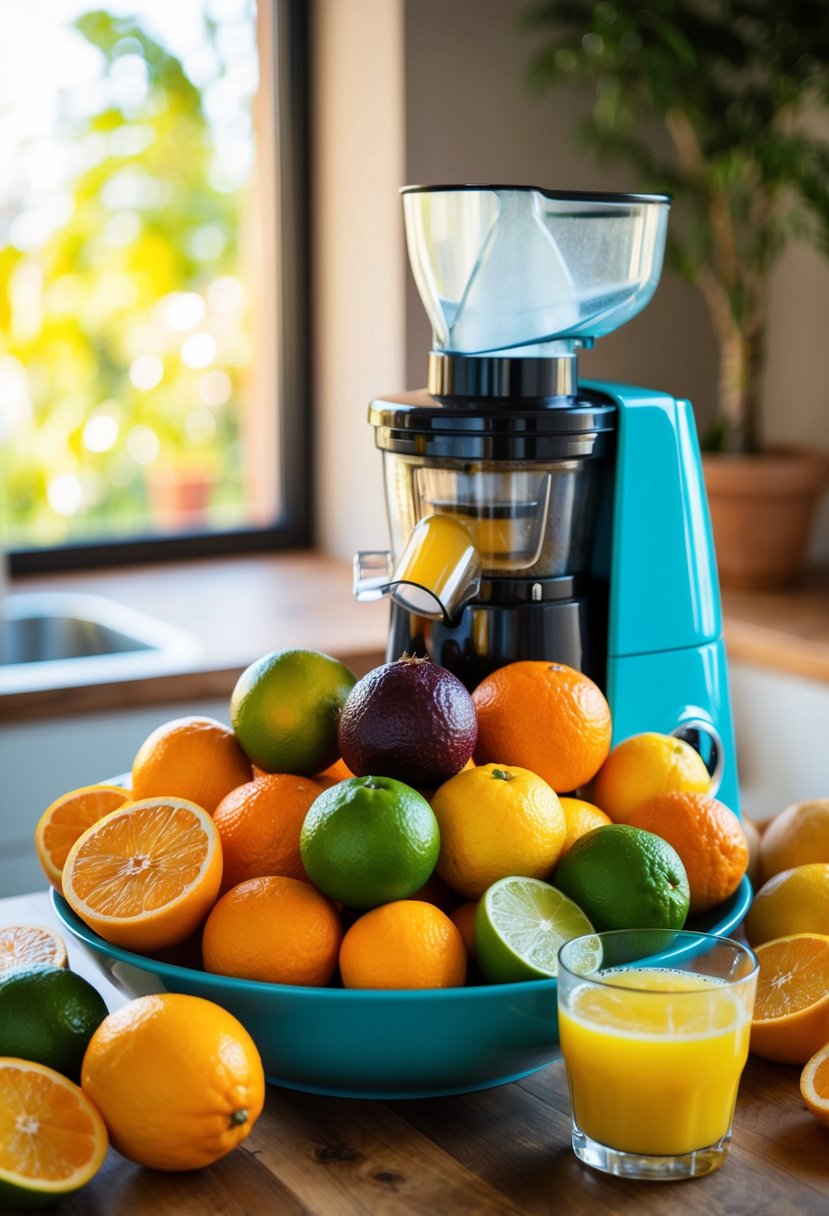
(533, 516)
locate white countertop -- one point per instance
(36, 909)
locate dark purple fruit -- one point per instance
(411, 720)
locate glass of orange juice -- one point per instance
(654, 1029)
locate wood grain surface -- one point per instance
(499, 1151)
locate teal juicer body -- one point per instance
(623, 582)
(666, 664)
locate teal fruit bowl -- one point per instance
(373, 1044)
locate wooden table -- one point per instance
(499, 1151)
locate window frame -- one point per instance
(288, 29)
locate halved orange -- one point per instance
(146, 876)
(52, 1138)
(62, 822)
(30, 946)
(791, 1012)
(814, 1084)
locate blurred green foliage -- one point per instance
(97, 320)
(724, 104)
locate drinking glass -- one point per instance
(654, 1029)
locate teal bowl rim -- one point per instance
(719, 921)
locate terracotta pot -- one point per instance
(762, 511)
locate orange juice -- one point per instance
(439, 558)
(654, 1058)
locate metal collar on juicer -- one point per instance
(548, 379)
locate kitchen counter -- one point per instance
(236, 608)
(239, 608)
(500, 1151)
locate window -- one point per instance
(152, 316)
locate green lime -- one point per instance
(520, 923)
(369, 840)
(48, 1015)
(625, 878)
(285, 709)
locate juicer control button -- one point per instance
(704, 738)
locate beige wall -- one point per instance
(358, 274)
(447, 79)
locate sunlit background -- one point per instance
(128, 178)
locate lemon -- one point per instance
(644, 765)
(285, 710)
(793, 901)
(520, 923)
(797, 836)
(496, 820)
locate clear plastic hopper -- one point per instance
(501, 268)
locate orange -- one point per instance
(436, 891)
(644, 765)
(793, 901)
(30, 946)
(791, 1011)
(338, 771)
(580, 817)
(464, 918)
(708, 838)
(52, 1139)
(797, 836)
(545, 717)
(285, 709)
(754, 841)
(198, 759)
(145, 877)
(404, 944)
(814, 1084)
(62, 822)
(259, 824)
(178, 1080)
(496, 821)
(279, 930)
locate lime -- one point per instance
(48, 1015)
(520, 923)
(369, 840)
(285, 709)
(625, 878)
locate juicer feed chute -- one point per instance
(500, 268)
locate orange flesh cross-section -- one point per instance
(45, 1134)
(793, 976)
(159, 856)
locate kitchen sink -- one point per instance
(55, 639)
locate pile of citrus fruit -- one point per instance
(788, 926)
(395, 831)
(173, 1082)
(400, 832)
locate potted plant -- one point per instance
(736, 86)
